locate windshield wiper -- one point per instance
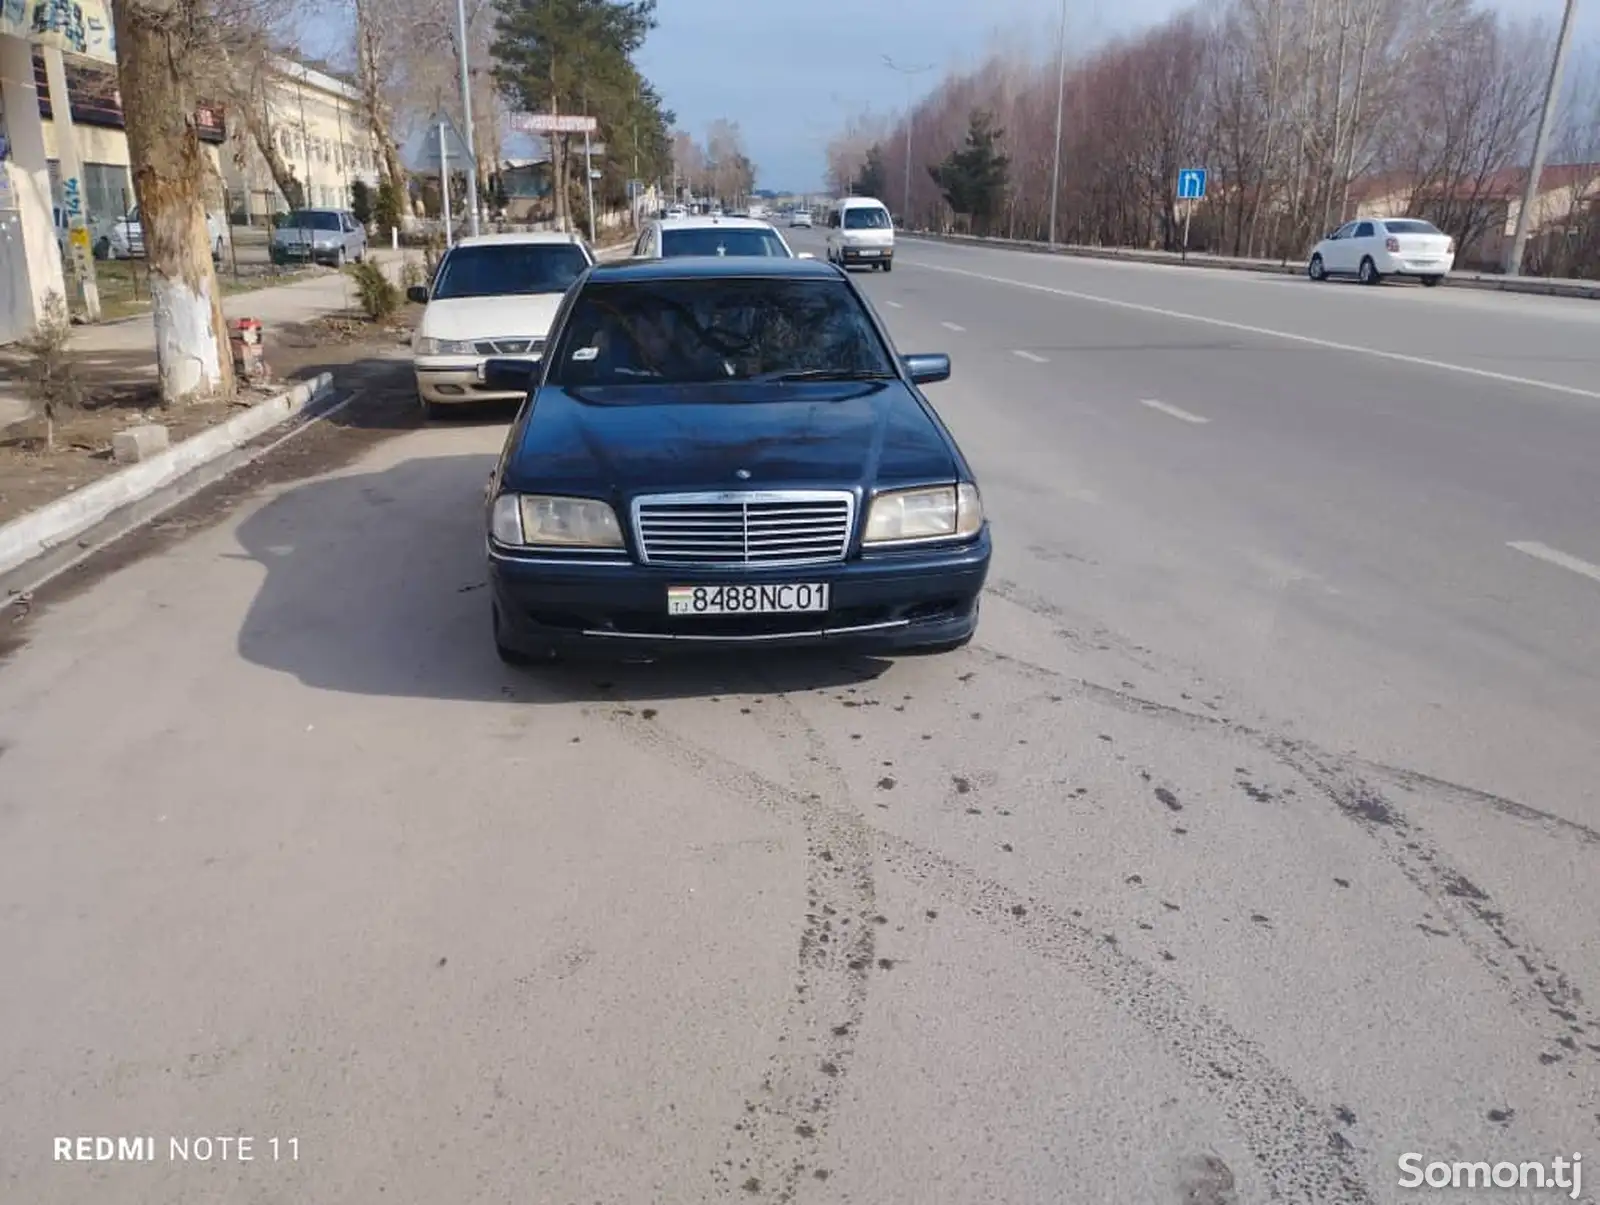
(824, 374)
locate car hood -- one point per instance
(490, 317)
(825, 435)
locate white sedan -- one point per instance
(493, 296)
(1371, 249)
(800, 217)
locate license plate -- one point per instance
(867, 253)
(746, 600)
(483, 365)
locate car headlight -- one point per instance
(942, 512)
(427, 345)
(541, 520)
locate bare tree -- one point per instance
(1290, 102)
(379, 45)
(688, 162)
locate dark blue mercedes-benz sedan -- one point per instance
(728, 452)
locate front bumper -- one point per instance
(453, 381)
(885, 602)
(298, 253)
(867, 255)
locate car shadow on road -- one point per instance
(375, 584)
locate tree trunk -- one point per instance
(193, 359)
(255, 120)
(372, 102)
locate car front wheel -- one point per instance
(1315, 269)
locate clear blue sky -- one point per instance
(790, 73)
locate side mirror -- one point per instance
(805, 255)
(508, 376)
(418, 294)
(928, 368)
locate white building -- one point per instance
(80, 34)
(316, 122)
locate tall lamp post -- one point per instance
(1061, 92)
(1541, 142)
(910, 73)
(466, 113)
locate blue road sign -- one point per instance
(1192, 184)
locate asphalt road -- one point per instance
(1252, 845)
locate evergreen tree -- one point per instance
(576, 57)
(873, 179)
(973, 179)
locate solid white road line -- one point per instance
(1556, 557)
(1028, 355)
(1246, 328)
(951, 326)
(1173, 411)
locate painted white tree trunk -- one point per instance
(188, 359)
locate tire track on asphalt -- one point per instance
(776, 1141)
(1301, 1152)
(1534, 982)
(1536, 985)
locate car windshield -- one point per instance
(515, 269)
(713, 240)
(703, 331)
(866, 217)
(1412, 226)
(311, 219)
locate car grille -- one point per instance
(509, 347)
(787, 527)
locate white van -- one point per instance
(861, 233)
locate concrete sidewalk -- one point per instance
(278, 305)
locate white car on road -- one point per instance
(711, 235)
(800, 217)
(494, 295)
(123, 237)
(861, 234)
(1371, 249)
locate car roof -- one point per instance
(703, 267)
(849, 202)
(706, 222)
(524, 237)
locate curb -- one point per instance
(1540, 285)
(48, 528)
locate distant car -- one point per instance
(325, 236)
(800, 217)
(1371, 249)
(494, 295)
(123, 237)
(861, 234)
(729, 453)
(677, 211)
(710, 235)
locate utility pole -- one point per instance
(1061, 92)
(466, 113)
(909, 73)
(1541, 143)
